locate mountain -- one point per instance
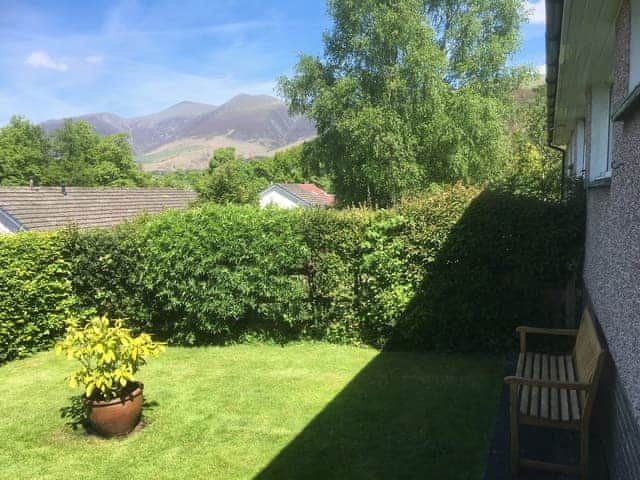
(104, 123)
(185, 135)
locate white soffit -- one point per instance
(587, 51)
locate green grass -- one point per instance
(257, 411)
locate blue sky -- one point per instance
(62, 58)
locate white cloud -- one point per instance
(541, 69)
(536, 12)
(94, 59)
(41, 59)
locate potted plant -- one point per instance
(109, 358)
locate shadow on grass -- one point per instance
(504, 263)
(405, 415)
(77, 415)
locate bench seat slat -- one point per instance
(526, 389)
(553, 392)
(573, 394)
(534, 408)
(564, 397)
(544, 391)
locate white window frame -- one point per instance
(601, 133)
(634, 45)
(570, 154)
(579, 149)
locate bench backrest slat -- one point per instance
(588, 354)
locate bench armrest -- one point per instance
(569, 332)
(523, 331)
(513, 380)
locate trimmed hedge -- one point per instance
(35, 292)
(455, 269)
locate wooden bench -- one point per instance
(556, 391)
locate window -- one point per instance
(601, 127)
(579, 149)
(634, 45)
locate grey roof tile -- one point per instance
(46, 208)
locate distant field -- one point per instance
(193, 153)
(163, 155)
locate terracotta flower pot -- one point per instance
(118, 416)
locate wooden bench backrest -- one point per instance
(588, 356)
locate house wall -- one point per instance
(276, 198)
(612, 274)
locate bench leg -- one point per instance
(514, 442)
(584, 453)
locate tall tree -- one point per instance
(535, 168)
(389, 102)
(220, 156)
(477, 37)
(24, 152)
(74, 154)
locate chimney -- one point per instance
(63, 189)
(31, 183)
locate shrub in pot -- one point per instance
(110, 357)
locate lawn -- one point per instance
(268, 412)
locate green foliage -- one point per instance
(407, 93)
(477, 36)
(535, 168)
(423, 274)
(221, 156)
(74, 154)
(103, 266)
(217, 271)
(182, 179)
(240, 181)
(109, 355)
(451, 269)
(233, 182)
(35, 292)
(501, 265)
(24, 152)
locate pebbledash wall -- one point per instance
(612, 267)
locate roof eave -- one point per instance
(10, 222)
(282, 190)
(554, 11)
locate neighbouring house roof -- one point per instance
(305, 194)
(580, 48)
(48, 208)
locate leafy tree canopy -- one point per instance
(220, 156)
(240, 180)
(74, 154)
(405, 93)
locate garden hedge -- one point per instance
(455, 269)
(35, 292)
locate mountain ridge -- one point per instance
(262, 121)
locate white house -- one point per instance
(292, 195)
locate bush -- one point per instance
(500, 263)
(453, 269)
(109, 357)
(35, 292)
